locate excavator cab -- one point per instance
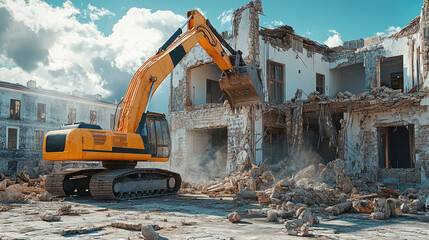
(156, 135)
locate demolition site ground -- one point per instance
(189, 216)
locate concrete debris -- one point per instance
(128, 226)
(67, 210)
(295, 227)
(22, 188)
(49, 217)
(234, 217)
(363, 206)
(272, 216)
(339, 208)
(81, 230)
(4, 208)
(148, 233)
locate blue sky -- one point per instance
(95, 46)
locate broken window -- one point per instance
(391, 72)
(41, 112)
(93, 117)
(72, 116)
(275, 82)
(214, 93)
(396, 147)
(15, 109)
(38, 139)
(12, 138)
(320, 83)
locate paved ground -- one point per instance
(192, 217)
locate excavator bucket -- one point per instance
(242, 88)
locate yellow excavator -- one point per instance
(141, 135)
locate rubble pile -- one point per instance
(256, 178)
(22, 188)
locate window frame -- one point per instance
(37, 112)
(68, 116)
(35, 139)
(13, 115)
(90, 114)
(273, 98)
(7, 137)
(323, 84)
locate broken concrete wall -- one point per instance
(361, 147)
(190, 113)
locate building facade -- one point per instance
(27, 113)
(365, 102)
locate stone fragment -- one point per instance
(45, 196)
(49, 217)
(293, 226)
(363, 206)
(263, 198)
(307, 217)
(405, 207)
(304, 230)
(275, 194)
(272, 216)
(377, 215)
(395, 207)
(234, 217)
(307, 172)
(381, 205)
(339, 208)
(148, 233)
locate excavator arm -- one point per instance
(152, 73)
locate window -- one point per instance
(213, 93)
(93, 117)
(426, 33)
(12, 137)
(38, 139)
(41, 112)
(275, 82)
(15, 109)
(159, 137)
(320, 83)
(396, 147)
(72, 116)
(112, 121)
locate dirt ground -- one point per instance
(192, 217)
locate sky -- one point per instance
(95, 46)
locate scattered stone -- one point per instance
(234, 217)
(4, 208)
(128, 226)
(272, 216)
(304, 230)
(377, 215)
(363, 206)
(148, 233)
(49, 217)
(395, 207)
(81, 230)
(339, 208)
(308, 217)
(405, 207)
(381, 205)
(293, 227)
(45, 197)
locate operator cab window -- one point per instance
(159, 138)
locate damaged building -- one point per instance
(29, 112)
(365, 102)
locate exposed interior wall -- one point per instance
(390, 66)
(349, 78)
(198, 82)
(207, 154)
(300, 69)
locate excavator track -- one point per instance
(124, 184)
(73, 181)
(118, 184)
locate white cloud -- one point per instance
(334, 39)
(201, 11)
(48, 44)
(225, 17)
(389, 30)
(96, 13)
(277, 23)
(307, 32)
